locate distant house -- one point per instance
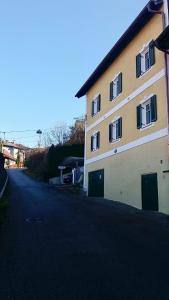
(14, 154)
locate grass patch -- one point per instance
(4, 204)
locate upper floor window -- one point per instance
(95, 141)
(147, 112)
(115, 130)
(116, 87)
(96, 105)
(145, 59)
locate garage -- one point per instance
(96, 183)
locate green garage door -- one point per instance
(149, 192)
(96, 183)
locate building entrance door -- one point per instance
(149, 192)
(96, 183)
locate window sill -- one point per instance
(115, 98)
(115, 141)
(147, 126)
(146, 72)
(95, 150)
(96, 114)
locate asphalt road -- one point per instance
(64, 247)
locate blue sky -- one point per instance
(48, 48)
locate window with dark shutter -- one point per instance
(119, 84)
(139, 116)
(99, 103)
(110, 132)
(119, 128)
(152, 53)
(154, 108)
(92, 108)
(111, 91)
(138, 65)
(91, 143)
(98, 140)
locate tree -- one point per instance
(18, 159)
(58, 135)
(77, 135)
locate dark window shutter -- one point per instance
(98, 140)
(119, 128)
(92, 108)
(152, 53)
(91, 143)
(139, 116)
(154, 108)
(138, 65)
(99, 103)
(119, 83)
(111, 91)
(110, 132)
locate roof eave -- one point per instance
(162, 42)
(124, 40)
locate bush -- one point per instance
(44, 165)
(57, 154)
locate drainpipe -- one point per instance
(165, 55)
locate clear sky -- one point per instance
(48, 48)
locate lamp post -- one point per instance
(39, 132)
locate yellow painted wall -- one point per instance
(122, 173)
(129, 125)
(126, 63)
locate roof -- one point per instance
(7, 155)
(141, 20)
(16, 146)
(162, 42)
(73, 162)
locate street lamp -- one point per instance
(39, 132)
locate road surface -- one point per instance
(56, 246)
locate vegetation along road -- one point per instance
(59, 246)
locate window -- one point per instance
(145, 59)
(96, 105)
(115, 130)
(95, 141)
(147, 112)
(116, 87)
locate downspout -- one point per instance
(165, 57)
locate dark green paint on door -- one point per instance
(96, 183)
(149, 192)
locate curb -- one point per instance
(4, 187)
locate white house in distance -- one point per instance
(11, 152)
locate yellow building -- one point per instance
(127, 126)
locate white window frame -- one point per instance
(115, 86)
(144, 106)
(114, 136)
(95, 111)
(95, 141)
(95, 106)
(143, 60)
(115, 130)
